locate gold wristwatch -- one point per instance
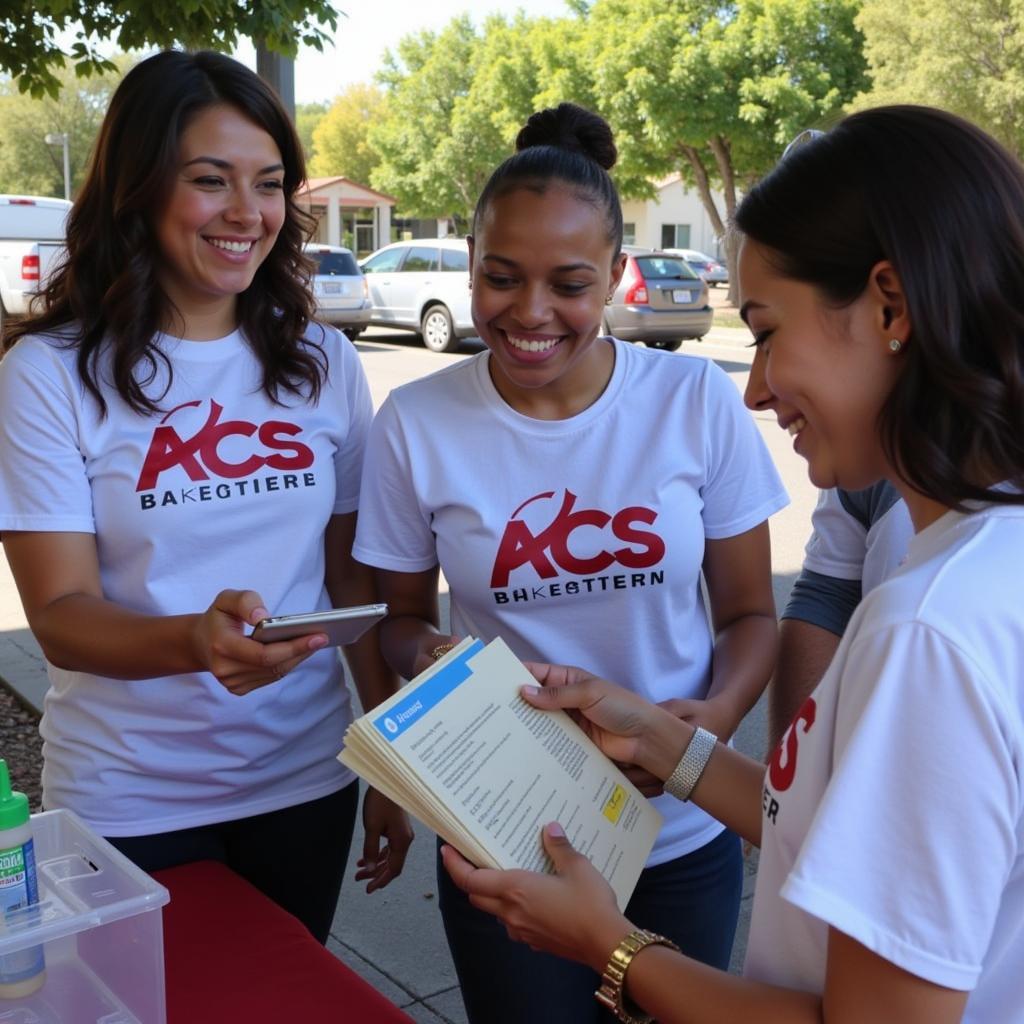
(611, 994)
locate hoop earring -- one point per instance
(895, 345)
(608, 300)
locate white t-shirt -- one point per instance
(843, 547)
(223, 490)
(578, 541)
(894, 806)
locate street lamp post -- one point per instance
(61, 139)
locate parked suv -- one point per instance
(659, 301)
(31, 246)
(422, 285)
(340, 290)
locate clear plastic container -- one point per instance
(99, 921)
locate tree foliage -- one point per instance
(30, 53)
(307, 117)
(28, 164)
(341, 143)
(713, 90)
(966, 56)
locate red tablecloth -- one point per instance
(233, 956)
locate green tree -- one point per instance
(307, 117)
(341, 142)
(423, 79)
(28, 164)
(714, 90)
(30, 53)
(456, 101)
(966, 56)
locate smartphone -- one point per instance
(342, 625)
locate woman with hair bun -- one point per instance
(575, 490)
(890, 818)
(168, 419)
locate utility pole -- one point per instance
(61, 139)
(278, 72)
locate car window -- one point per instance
(420, 259)
(454, 259)
(655, 267)
(384, 262)
(335, 264)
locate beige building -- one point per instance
(348, 213)
(674, 219)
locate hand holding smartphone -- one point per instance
(341, 625)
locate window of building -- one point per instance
(675, 236)
(629, 233)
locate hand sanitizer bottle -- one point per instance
(21, 972)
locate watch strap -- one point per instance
(611, 994)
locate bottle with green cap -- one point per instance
(21, 972)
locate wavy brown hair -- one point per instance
(106, 290)
(944, 203)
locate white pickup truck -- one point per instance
(31, 244)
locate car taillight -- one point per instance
(709, 266)
(30, 268)
(366, 288)
(636, 286)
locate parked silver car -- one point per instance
(659, 301)
(342, 296)
(713, 271)
(422, 285)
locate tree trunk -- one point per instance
(700, 174)
(723, 159)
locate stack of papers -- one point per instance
(461, 750)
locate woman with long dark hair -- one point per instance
(174, 423)
(881, 270)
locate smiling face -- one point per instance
(221, 219)
(825, 372)
(541, 270)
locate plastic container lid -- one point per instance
(13, 805)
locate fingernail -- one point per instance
(530, 691)
(556, 831)
(317, 642)
(258, 615)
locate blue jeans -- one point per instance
(693, 900)
(296, 855)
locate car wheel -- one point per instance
(438, 330)
(667, 346)
(352, 333)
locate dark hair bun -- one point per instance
(571, 127)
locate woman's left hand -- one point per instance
(571, 913)
(388, 836)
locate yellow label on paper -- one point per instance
(613, 808)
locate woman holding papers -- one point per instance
(575, 490)
(174, 424)
(890, 818)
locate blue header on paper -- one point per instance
(427, 695)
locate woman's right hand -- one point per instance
(625, 726)
(239, 663)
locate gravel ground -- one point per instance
(21, 747)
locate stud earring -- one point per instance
(895, 344)
(608, 300)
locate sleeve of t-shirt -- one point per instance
(393, 531)
(44, 485)
(349, 456)
(915, 837)
(823, 601)
(742, 487)
(838, 541)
